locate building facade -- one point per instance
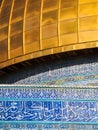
(48, 64)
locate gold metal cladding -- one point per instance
(9, 29)
(59, 22)
(24, 24)
(1, 5)
(43, 27)
(41, 16)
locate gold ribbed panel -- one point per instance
(35, 28)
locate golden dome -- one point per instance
(35, 28)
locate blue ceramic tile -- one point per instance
(72, 105)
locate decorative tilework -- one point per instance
(49, 92)
(48, 107)
(49, 111)
(69, 104)
(46, 126)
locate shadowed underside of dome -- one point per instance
(36, 28)
(63, 69)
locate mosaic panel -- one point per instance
(49, 92)
(47, 127)
(48, 107)
(65, 99)
(49, 111)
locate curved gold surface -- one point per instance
(35, 28)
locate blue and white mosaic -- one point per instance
(48, 107)
(46, 126)
(71, 104)
(49, 92)
(49, 111)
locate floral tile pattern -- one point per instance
(48, 107)
(65, 99)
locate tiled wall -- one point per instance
(48, 127)
(69, 104)
(48, 107)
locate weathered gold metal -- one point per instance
(36, 28)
